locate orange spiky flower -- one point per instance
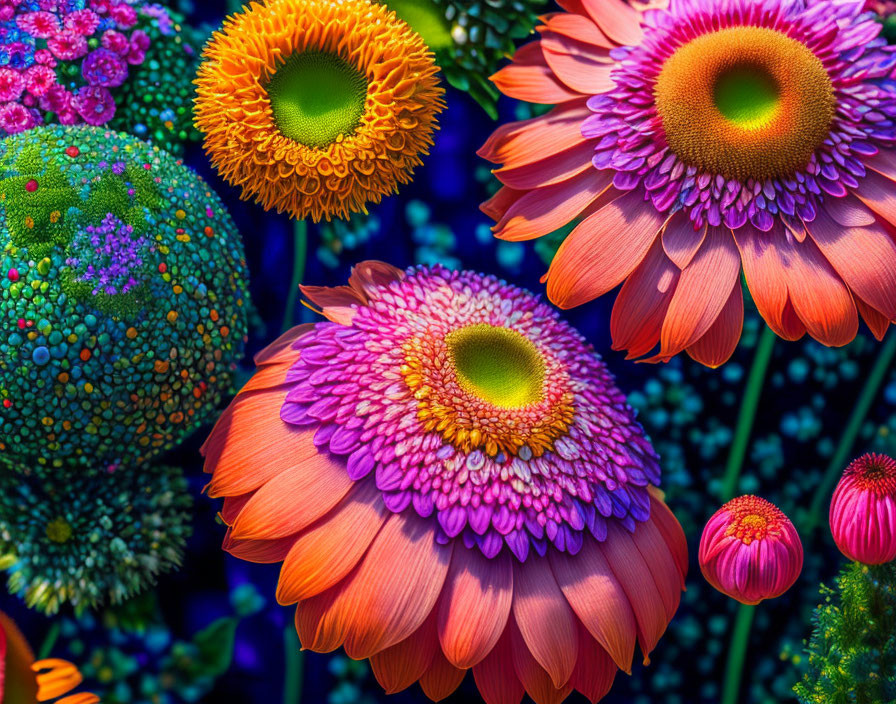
(316, 107)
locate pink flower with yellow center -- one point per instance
(863, 510)
(750, 550)
(695, 143)
(452, 481)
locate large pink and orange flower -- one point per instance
(452, 481)
(693, 143)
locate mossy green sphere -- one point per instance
(123, 300)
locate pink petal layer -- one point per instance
(441, 679)
(495, 677)
(598, 599)
(534, 678)
(718, 344)
(475, 605)
(577, 64)
(549, 171)
(530, 141)
(529, 78)
(545, 621)
(398, 667)
(595, 670)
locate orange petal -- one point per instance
(603, 250)
(547, 209)
(337, 303)
(640, 307)
(529, 78)
(385, 598)
(681, 241)
(280, 350)
(495, 677)
(582, 67)
(668, 525)
(595, 670)
(864, 256)
(554, 169)
(819, 296)
(536, 680)
(530, 141)
(441, 679)
(718, 344)
(661, 563)
(704, 288)
(55, 677)
(258, 551)
(232, 507)
(637, 581)
(294, 499)
(270, 376)
(767, 279)
(370, 277)
(577, 27)
(398, 667)
(16, 654)
(473, 609)
(598, 599)
(545, 621)
(617, 19)
(325, 553)
(496, 206)
(80, 698)
(875, 320)
(250, 445)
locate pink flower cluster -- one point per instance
(98, 35)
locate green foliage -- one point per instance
(852, 652)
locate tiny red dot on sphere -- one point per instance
(13, 275)
(31, 186)
(73, 151)
(163, 267)
(7, 403)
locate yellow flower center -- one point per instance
(745, 102)
(316, 98)
(59, 530)
(498, 365)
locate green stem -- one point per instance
(736, 653)
(851, 432)
(300, 252)
(49, 641)
(295, 661)
(747, 415)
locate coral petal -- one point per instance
(385, 598)
(662, 516)
(598, 599)
(544, 210)
(495, 677)
(531, 79)
(718, 344)
(294, 499)
(259, 551)
(544, 618)
(530, 141)
(280, 350)
(554, 169)
(603, 250)
(325, 553)
(369, 278)
(441, 679)
(475, 605)
(399, 666)
(537, 682)
(580, 66)
(595, 670)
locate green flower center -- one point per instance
(498, 365)
(317, 97)
(747, 96)
(426, 18)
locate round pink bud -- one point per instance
(750, 550)
(863, 510)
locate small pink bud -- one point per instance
(863, 510)
(750, 550)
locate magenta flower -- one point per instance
(68, 46)
(125, 16)
(104, 68)
(94, 104)
(750, 550)
(15, 118)
(116, 41)
(39, 24)
(863, 510)
(11, 85)
(39, 79)
(83, 22)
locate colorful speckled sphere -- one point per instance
(123, 300)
